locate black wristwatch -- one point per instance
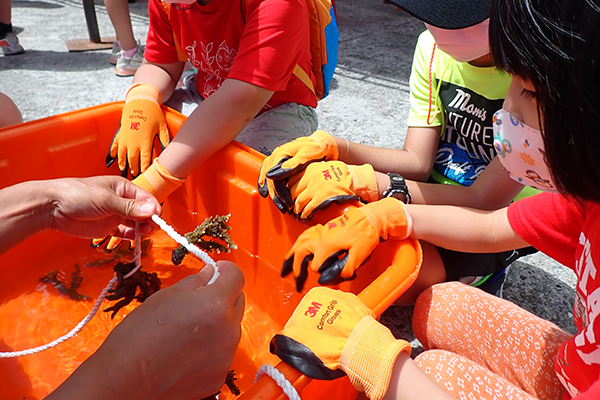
(397, 189)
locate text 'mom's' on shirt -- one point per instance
(468, 98)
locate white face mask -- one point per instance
(521, 152)
(463, 45)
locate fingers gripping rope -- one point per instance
(136, 259)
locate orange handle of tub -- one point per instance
(378, 296)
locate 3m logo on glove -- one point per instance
(337, 172)
(135, 126)
(341, 220)
(326, 174)
(313, 309)
(329, 315)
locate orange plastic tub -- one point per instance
(34, 313)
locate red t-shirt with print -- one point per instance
(569, 231)
(255, 41)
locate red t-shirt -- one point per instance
(569, 232)
(255, 41)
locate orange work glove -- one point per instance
(331, 333)
(323, 183)
(156, 181)
(290, 158)
(142, 119)
(336, 250)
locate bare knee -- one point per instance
(432, 272)
(10, 114)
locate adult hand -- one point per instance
(178, 344)
(336, 250)
(288, 159)
(99, 206)
(159, 183)
(142, 119)
(321, 184)
(331, 333)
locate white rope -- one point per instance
(195, 250)
(69, 335)
(288, 389)
(136, 259)
(137, 252)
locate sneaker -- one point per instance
(128, 66)
(115, 53)
(10, 43)
(492, 283)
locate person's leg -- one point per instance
(186, 97)
(9, 42)
(118, 12)
(9, 112)
(127, 54)
(465, 379)
(5, 14)
(277, 126)
(511, 342)
(432, 272)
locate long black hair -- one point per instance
(556, 45)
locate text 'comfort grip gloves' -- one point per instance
(331, 333)
(156, 181)
(288, 159)
(324, 183)
(336, 250)
(142, 119)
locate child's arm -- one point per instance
(413, 162)
(334, 249)
(493, 189)
(163, 76)
(214, 124)
(464, 229)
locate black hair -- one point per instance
(555, 44)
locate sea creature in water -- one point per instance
(70, 290)
(230, 382)
(123, 252)
(212, 227)
(138, 286)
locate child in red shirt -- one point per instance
(245, 53)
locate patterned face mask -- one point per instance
(521, 151)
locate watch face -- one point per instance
(398, 194)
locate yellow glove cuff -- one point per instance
(143, 91)
(158, 181)
(369, 357)
(327, 143)
(364, 182)
(389, 217)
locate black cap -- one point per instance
(447, 14)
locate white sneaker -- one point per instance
(10, 43)
(115, 53)
(128, 66)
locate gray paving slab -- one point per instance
(368, 104)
